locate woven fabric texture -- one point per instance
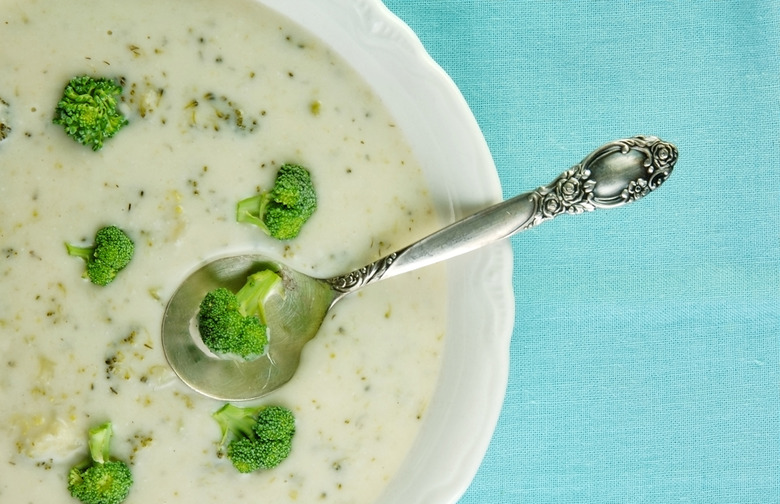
(645, 360)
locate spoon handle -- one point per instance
(617, 173)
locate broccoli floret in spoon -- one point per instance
(231, 324)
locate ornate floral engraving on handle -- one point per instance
(360, 277)
(577, 189)
(613, 175)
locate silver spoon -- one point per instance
(613, 175)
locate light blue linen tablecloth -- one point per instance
(645, 364)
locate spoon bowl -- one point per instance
(614, 174)
(294, 314)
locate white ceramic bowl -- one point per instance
(459, 168)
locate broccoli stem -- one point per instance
(100, 442)
(83, 252)
(252, 209)
(252, 296)
(237, 421)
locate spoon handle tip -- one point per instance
(613, 175)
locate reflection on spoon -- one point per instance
(615, 174)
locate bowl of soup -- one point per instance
(397, 396)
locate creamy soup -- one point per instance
(218, 94)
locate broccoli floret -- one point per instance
(255, 438)
(231, 324)
(88, 110)
(282, 211)
(100, 479)
(110, 254)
